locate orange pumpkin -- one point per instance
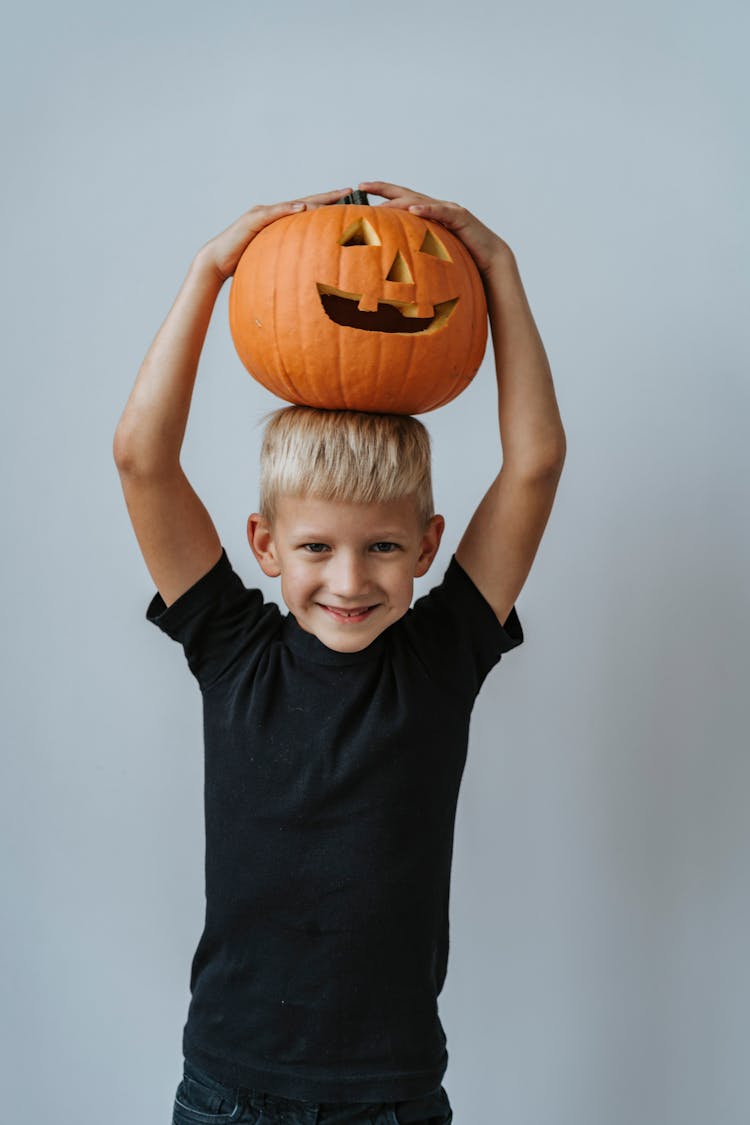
(355, 307)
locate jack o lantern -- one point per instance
(356, 307)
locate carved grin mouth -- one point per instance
(391, 316)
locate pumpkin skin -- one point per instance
(355, 307)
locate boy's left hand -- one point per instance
(483, 244)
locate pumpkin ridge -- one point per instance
(279, 362)
(339, 364)
(291, 384)
(478, 327)
(379, 369)
(408, 375)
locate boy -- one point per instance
(336, 735)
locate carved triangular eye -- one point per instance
(431, 244)
(360, 233)
(399, 270)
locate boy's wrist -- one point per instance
(501, 260)
(204, 264)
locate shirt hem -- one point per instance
(389, 1087)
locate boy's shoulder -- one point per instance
(455, 609)
(218, 621)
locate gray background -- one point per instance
(599, 912)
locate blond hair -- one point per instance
(344, 455)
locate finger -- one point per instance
(262, 211)
(400, 202)
(399, 197)
(444, 205)
(450, 214)
(263, 216)
(303, 202)
(388, 191)
(324, 197)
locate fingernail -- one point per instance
(297, 206)
(417, 207)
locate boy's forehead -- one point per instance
(400, 514)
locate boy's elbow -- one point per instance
(123, 449)
(137, 461)
(555, 455)
(548, 460)
(120, 450)
(128, 454)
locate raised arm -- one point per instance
(176, 535)
(178, 540)
(503, 536)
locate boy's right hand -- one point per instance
(225, 250)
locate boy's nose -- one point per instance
(349, 578)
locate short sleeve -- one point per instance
(455, 633)
(218, 621)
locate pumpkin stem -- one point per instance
(356, 197)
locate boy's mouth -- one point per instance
(350, 616)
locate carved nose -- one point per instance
(399, 270)
(399, 283)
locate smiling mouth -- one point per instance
(353, 615)
(399, 317)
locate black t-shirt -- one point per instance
(331, 785)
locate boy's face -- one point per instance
(347, 569)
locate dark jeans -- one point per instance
(200, 1100)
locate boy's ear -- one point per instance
(260, 538)
(429, 547)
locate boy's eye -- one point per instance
(381, 548)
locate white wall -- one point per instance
(599, 920)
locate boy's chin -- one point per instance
(344, 637)
(349, 638)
